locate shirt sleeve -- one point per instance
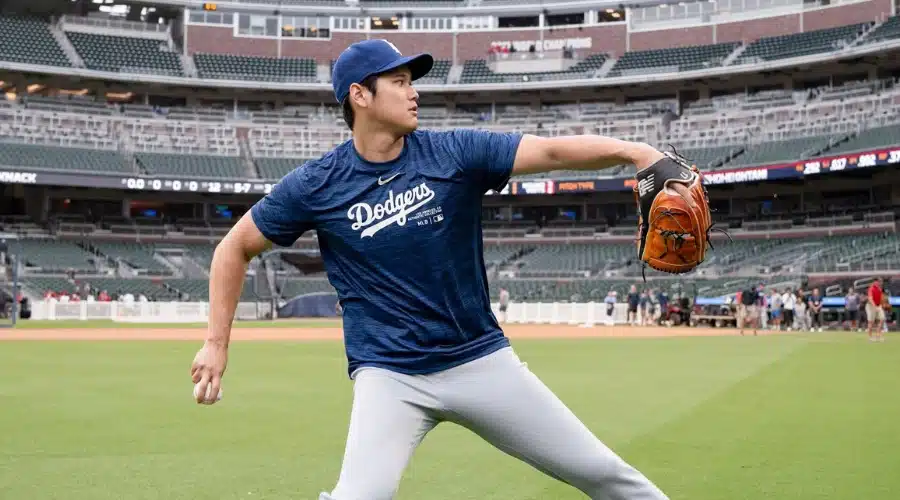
(282, 216)
(487, 157)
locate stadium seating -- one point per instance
(198, 289)
(786, 150)
(197, 166)
(801, 44)
(225, 66)
(276, 168)
(26, 40)
(294, 287)
(887, 31)
(868, 139)
(477, 71)
(152, 289)
(136, 255)
(56, 158)
(42, 284)
(672, 60)
(125, 54)
(438, 74)
(201, 253)
(54, 255)
(573, 258)
(708, 158)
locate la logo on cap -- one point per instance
(394, 47)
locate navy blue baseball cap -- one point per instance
(372, 57)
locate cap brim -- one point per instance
(419, 65)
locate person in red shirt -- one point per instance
(874, 311)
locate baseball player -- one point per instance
(397, 212)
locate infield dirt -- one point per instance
(128, 332)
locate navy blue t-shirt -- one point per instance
(402, 244)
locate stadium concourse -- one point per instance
(132, 138)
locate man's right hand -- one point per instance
(207, 370)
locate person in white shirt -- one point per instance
(788, 301)
(128, 298)
(504, 304)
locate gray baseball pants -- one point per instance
(498, 398)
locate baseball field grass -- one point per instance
(801, 416)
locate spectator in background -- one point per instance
(801, 314)
(762, 307)
(504, 303)
(788, 302)
(875, 312)
(747, 309)
(610, 302)
(633, 300)
(851, 308)
(663, 300)
(644, 304)
(814, 303)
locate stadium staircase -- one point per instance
(192, 269)
(455, 74)
(188, 66)
(173, 269)
(863, 38)
(734, 54)
(247, 155)
(323, 73)
(605, 68)
(66, 45)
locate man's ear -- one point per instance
(358, 94)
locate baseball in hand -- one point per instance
(208, 389)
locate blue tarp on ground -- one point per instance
(313, 305)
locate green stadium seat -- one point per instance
(27, 40)
(781, 151)
(673, 59)
(59, 158)
(125, 54)
(236, 67)
(887, 31)
(54, 255)
(801, 44)
(136, 255)
(869, 139)
(276, 168)
(198, 166)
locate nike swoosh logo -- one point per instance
(382, 182)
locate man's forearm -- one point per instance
(226, 281)
(595, 152)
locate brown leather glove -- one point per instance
(675, 218)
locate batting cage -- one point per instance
(10, 293)
(292, 280)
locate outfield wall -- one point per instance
(192, 312)
(142, 312)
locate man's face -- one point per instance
(396, 102)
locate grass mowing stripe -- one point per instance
(823, 423)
